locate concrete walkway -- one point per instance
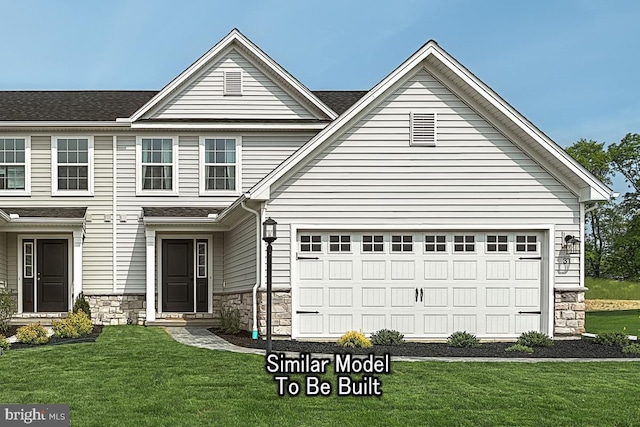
(200, 337)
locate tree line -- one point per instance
(612, 235)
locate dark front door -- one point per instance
(177, 275)
(52, 275)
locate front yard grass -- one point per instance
(627, 321)
(610, 289)
(136, 376)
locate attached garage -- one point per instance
(425, 284)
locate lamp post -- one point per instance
(269, 236)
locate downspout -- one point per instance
(114, 223)
(254, 333)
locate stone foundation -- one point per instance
(117, 309)
(569, 313)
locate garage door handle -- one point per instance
(307, 312)
(529, 312)
(416, 294)
(421, 294)
(532, 257)
(306, 257)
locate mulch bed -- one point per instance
(581, 349)
(97, 330)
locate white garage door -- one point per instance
(423, 284)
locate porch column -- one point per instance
(151, 274)
(77, 263)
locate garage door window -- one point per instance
(340, 243)
(464, 243)
(309, 243)
(497, 243)
(372, 243)
(526, 243)
(435, 243)
(402, 243)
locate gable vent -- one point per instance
(423, 128)
(233, 82)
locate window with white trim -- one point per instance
(402, 243)
(310, 243)
(435, 243)
(423, 129)
(373, 243)
(157, 165)
(497, 243)
(13, 164)
(340, 243)
(72, 165)
(28, 259)
(464, 243)
(201, 261)
(526, 243)
(220, 168)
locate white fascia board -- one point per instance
(263, 187)
(63, 124)
(228, 126)
(235, 205)
(46, 222)
(501, 105)
(177, 221)
(591, 194)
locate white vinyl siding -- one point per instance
(240, 256)
(204, 97)
(370, 175)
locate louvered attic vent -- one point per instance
(233, 82)
(423, 129)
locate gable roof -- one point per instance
(497, 111)
(233, 38)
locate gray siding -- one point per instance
(204, 97)
(371, 176)
(12, 261)
(3, 257)
(240, 256)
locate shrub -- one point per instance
(535, 339)
(354, 339)
(81, 304)
(631, 348)
(4, 343)
(7, 309)
(619, 339)
(387, 337)
(463, 339)
(76, 325)
(34, 333)
(519, 348)
(230, 320)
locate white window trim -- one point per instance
(27, 167)
(201, 167)
(54, 167)
(412, 141)
(174, 164)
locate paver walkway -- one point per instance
(201, 337)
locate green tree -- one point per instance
(625, 159)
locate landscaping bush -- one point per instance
(76, 325)
(519, 348)
(4, 343)
(535, 339)
(619, 339)
(463, 339)
(354, 339)
(81, 304)
(631, 348)
(387, 337)
(7, 309)
(34, 333)
(230, 320)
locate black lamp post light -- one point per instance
(269, 235)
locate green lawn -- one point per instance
(627, 321)
(136, 376)
(611, 289)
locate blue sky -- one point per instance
(571, 67)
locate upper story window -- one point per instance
(219, 165)
(14, 166)
(72, 166)
(157, 165)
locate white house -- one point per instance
(426, 205)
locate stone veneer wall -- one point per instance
(281, 313)
(569, 313)
(117, 309)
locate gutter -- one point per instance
(254, 333)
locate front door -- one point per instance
(177, 275)
(52, 275)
